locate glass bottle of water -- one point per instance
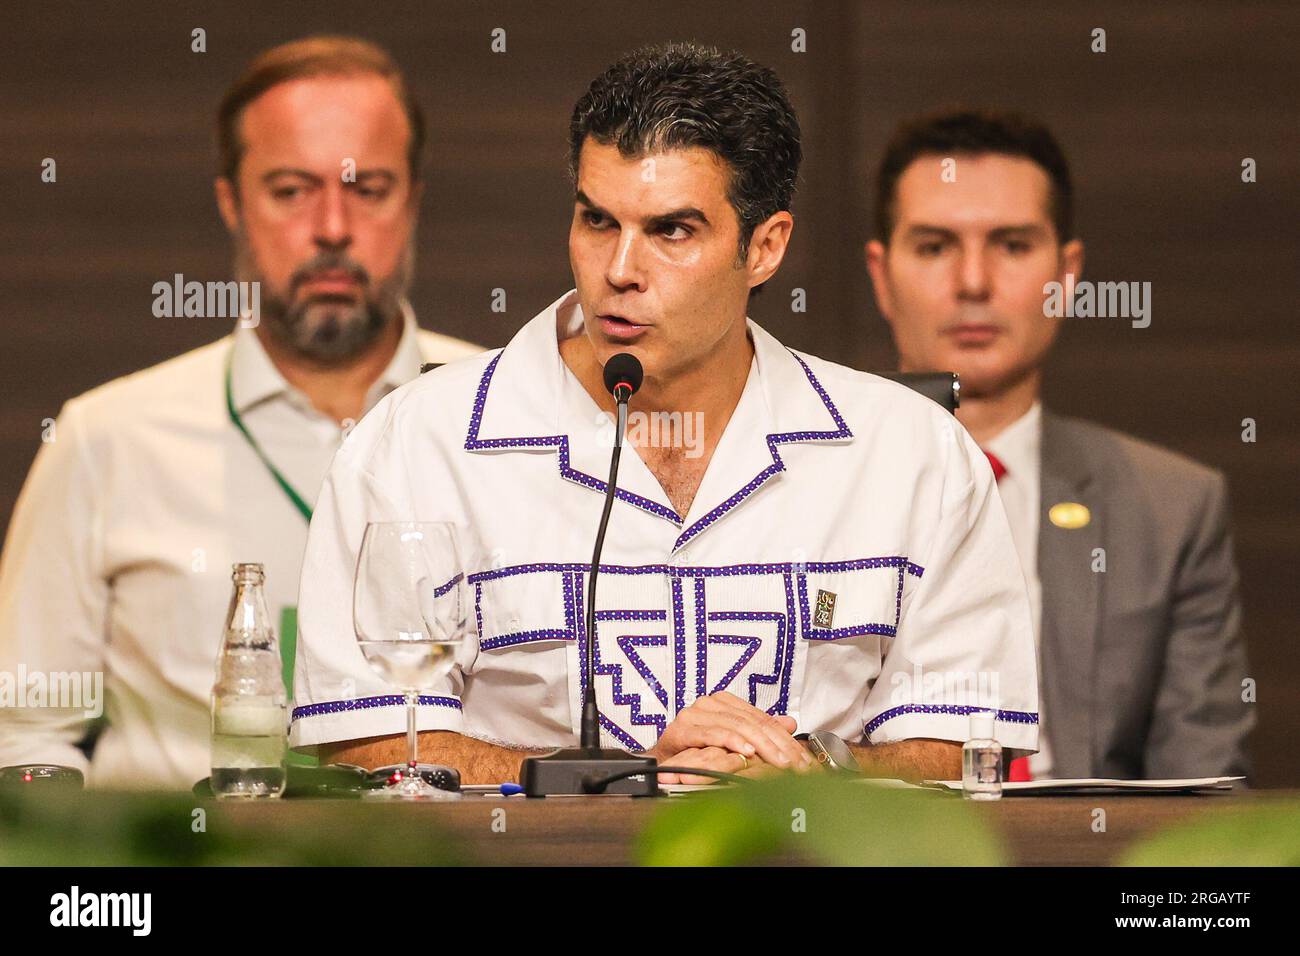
(981, 760)
(249, 719)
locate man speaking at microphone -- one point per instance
(827, 554)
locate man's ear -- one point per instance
(227, 203)
(767, 247)
(875, 256)
(1071, 264)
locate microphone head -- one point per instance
(623, 369)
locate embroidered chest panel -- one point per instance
(669, 634)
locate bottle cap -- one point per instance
(981, 725)
(246, 572)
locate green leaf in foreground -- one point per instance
(1267, 834)
(127, 829)
(818, 819)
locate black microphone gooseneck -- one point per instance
(591, 768)
(623, 375)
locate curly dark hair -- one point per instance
(683, 95)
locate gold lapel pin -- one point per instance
(1069, 515)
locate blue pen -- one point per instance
(491, 789)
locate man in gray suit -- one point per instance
(1125, 546)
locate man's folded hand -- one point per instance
(715, 731)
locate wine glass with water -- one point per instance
(410, 614)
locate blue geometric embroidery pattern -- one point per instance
(778, 465)
(615, 672)
(628, 643)
(679, 646)
(561, 443)
(474, 443)
(1007, 716)
(367, 703)
(753, 645)
(706, 628)
(701, 641)
(706, 571)
(813, 633)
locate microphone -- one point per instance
(623, 375)
(581, 771)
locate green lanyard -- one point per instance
(298, 502)
(288, 615)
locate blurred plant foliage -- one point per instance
(1266, 834)
(108, 829)
(813, 819)
(818, 819)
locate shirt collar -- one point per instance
(1017, 446)
(526, 402)
(525, 378)
(255, 379)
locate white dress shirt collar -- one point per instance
(1018, 445)
(525, 381)
(529, 400)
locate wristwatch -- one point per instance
(831, 752)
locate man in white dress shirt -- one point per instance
(830, 556)
(119, 552)
(1126, 547)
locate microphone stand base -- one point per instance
(571, 773)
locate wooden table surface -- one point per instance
(601, 831)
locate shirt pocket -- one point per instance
(525, 621)
(844, 600)
(847, 612)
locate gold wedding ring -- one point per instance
(744, 760)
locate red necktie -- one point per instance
(1019, 769)
(995, 463)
